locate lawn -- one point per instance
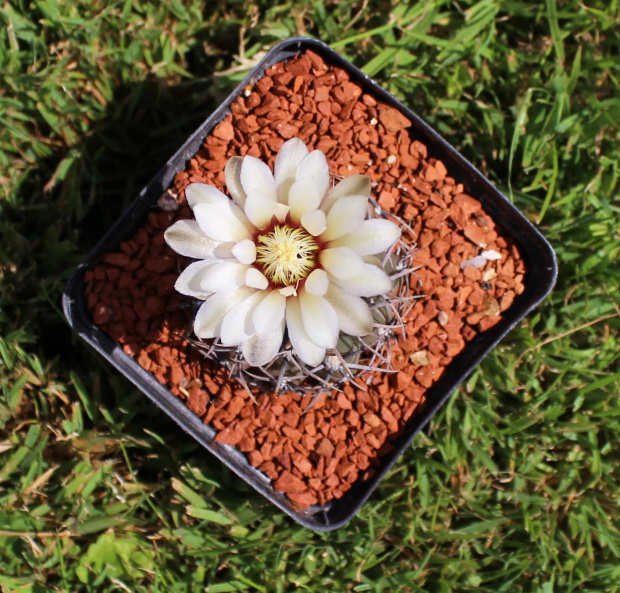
(513, 486)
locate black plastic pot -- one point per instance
(534, 249)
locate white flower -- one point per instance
(285, 253)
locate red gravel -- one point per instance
(316, 456)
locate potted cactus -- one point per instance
(307, 280)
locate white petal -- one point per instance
(232, 174)
(261, 350)
(346, 215)
(372, 236)
(202, 193)
(353, 185)
(256, 279)
(223, 277)
(189, 280)
(372, 281)
(256, 177)
(224, 251)
(320, 319)
(209, 318)
(237, 324)
(314, 167)
(311, 184)
(302, 197)
(260, 187)
(342, 262)
(303, 346)
(222, 220)
(288, 291)
(281, 212)
(259, 209)
(315, 222)
(245, 251)
(317, 282)
(186, 238)
(269, 313)
(290, 155)
(374, 260)
(354, 315)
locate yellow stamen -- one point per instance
(286, 255)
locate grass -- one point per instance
(514, 486)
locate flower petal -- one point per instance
(342, 262)
(223, 277)
(281, 211)
(304, 347)
(317, 282)
(224, 251)
(315, 222)
(372, 236)
(221, 219)
(372, 281)
(189, 280)
(319, 318)
(256, 177)
(256, 279)
(237, 324)
(261, 350)
(354, 314)
(269, 313)
(374, 260)
(259, 208)
(232, 174)
(245, 251)
(311, 184)
(346, 215)
(290, 155)
(209, 318)
(353, 185)
(202, 193)
(186, 238)
(302, 198)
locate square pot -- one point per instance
(534, 251)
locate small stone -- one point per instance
(324, 448)
(289, 483)
(116, 259)
(372, 419)
(197, 401)
(102, 314)
(229, 436)
(393, 120)
(491, 255)
(489, 322)
(474, 262)
(303, 499)
(343, 402)
(224, 131)
(425, 375)
(420, 358)
(490, 306)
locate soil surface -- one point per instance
(469, 275)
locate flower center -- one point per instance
(286, 255)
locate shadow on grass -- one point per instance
(62, 213)
(142, 130)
